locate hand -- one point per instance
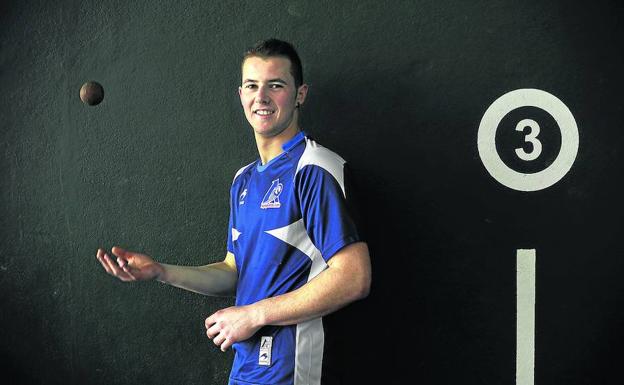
(231, 325)
(130, 266)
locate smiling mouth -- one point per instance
(264, 112)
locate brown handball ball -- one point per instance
(91, 93)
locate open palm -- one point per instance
(129, 265)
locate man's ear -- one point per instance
(240, 93)
(302, 92)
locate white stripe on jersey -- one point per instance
(315, 154)
(310, 334)
(240, 171)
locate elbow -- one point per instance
(362, 289)
(353, 266)
(366, 288)
(364, 276)
(365, 279)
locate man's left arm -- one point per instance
(346, 279)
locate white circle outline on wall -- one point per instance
(486, 139)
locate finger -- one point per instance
(210, 321)
(111, 265)
(100, 258)
(218, 340)
(119, 252)
(127, 270)
(115, 270)
(99, 255)
(226, 345)
(213, 331)
(122, 262)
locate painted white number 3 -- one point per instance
(531, 137)
(486, 139)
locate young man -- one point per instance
(294, 253)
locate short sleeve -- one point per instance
(327, 214)
(230, 246)
(231, 231)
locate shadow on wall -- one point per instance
(380, 126)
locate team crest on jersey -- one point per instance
(241, 198)
(271, 198)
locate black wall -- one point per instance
(396, 88)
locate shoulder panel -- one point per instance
(317, 155)
(241, 170)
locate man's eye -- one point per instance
(276, 86)
(250, 86)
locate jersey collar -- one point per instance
(295, 140)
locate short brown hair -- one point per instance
(274, 47)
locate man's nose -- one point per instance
(262, 96)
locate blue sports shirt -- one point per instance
(287, 219)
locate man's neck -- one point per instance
(271, 147)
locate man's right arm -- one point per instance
(216, 279)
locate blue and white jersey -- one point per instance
(287, 219)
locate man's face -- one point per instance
(269, 96)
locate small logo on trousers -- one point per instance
(264, 356)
